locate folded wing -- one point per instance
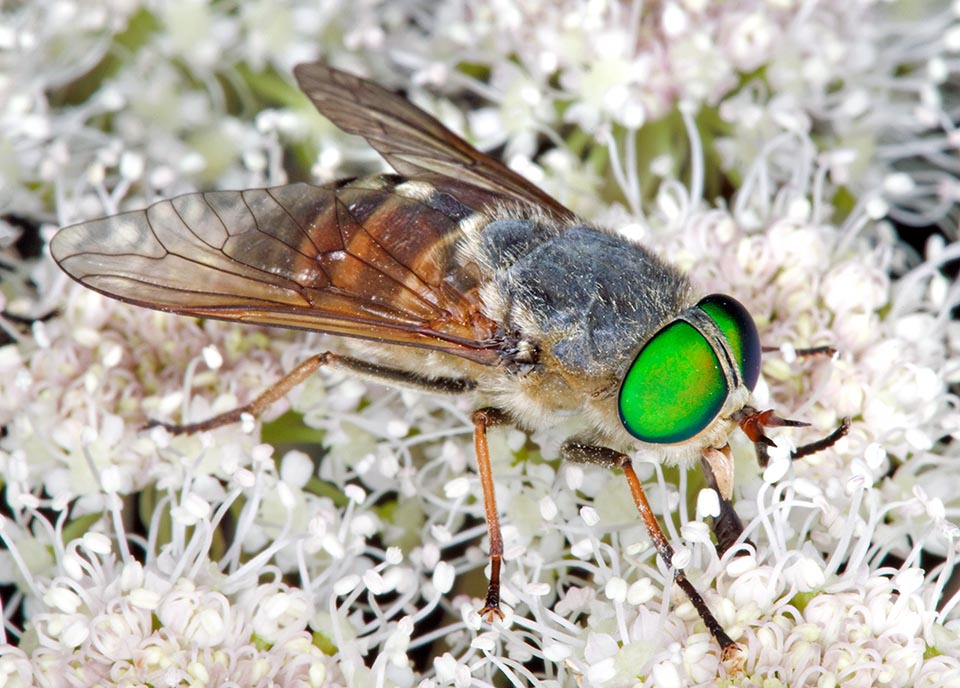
(412, 141)
(363, 259)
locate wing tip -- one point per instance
(303, 70)
(77, 239)
(313, 76)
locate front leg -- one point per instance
(603, 456)
(727, 526)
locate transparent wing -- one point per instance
(413, 142)
(362, 259)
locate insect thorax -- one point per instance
(582, 296)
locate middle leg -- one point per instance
(483, 419)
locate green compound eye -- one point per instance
(737, 326)
(674, 388)
(679, 381)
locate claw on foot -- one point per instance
(733, 659)
(489, 613)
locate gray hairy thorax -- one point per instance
(589, 296)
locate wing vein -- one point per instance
(256, 225)
(295, 221)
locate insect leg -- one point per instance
(483, 419)
(727, 525)
(280, 388)
(810, 352)
(603, 456)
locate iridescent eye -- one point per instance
(737, 326)
(679, 381)
(674, 387)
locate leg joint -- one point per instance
(488, 417)
(580, 452)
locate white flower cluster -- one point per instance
(341, 541)
(171, 621)
(869, 82)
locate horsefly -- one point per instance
(489, 286)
